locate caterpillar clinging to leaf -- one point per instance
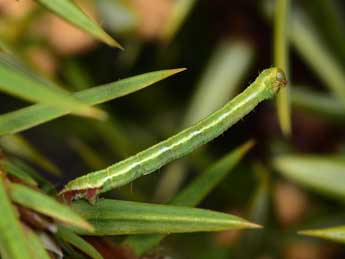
(266, 85)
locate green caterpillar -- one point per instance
(266, 85)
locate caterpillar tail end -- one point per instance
(90, 194)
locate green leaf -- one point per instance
(330, 19)
(194, 193)
(20, 147)
(14, 170)
(313, 50)
(115, 217)
(69, 11)
(259, 210)
(325, 175)
(19, 81)
(13, 243)
(43, 183)
(46, 205)
(34, 115)
(281, 46)
(308, 43)
(336, 234)
(318, 103)
(70, 237)
(36, 246)
(259, 204)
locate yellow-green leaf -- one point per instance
(17, 80)
(42, 203)
(313, 50)
(281, 46)
(69, 11)
(34, 115)
(16, 171)
(317, 103)
(20, 147)
(115, 217)
(325, 175)
(336, 234)
(13, 243)
(194, 193)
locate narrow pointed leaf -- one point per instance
(70, 237)
(330, 19)
(34, 115)
(17, 80)
(305, 39)
(336, 234)
(16, 171)
(258, 211)
(37, 201)
(115, 217)
(13, 243)
(194, 193)
(323, 174)
(20, 147)
(69, 11)
(313, 50)
(43, 183)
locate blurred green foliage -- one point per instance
(290, 183)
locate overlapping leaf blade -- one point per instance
(194, 193)
(13, 243)
(316, 54)
(14, 170)
(19, 81)
(318, 103)
(325, 175)
(115, 217)
(37, 201)
(69, 11)
(34, 115)
(18, 146)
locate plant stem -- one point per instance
(281, 60)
